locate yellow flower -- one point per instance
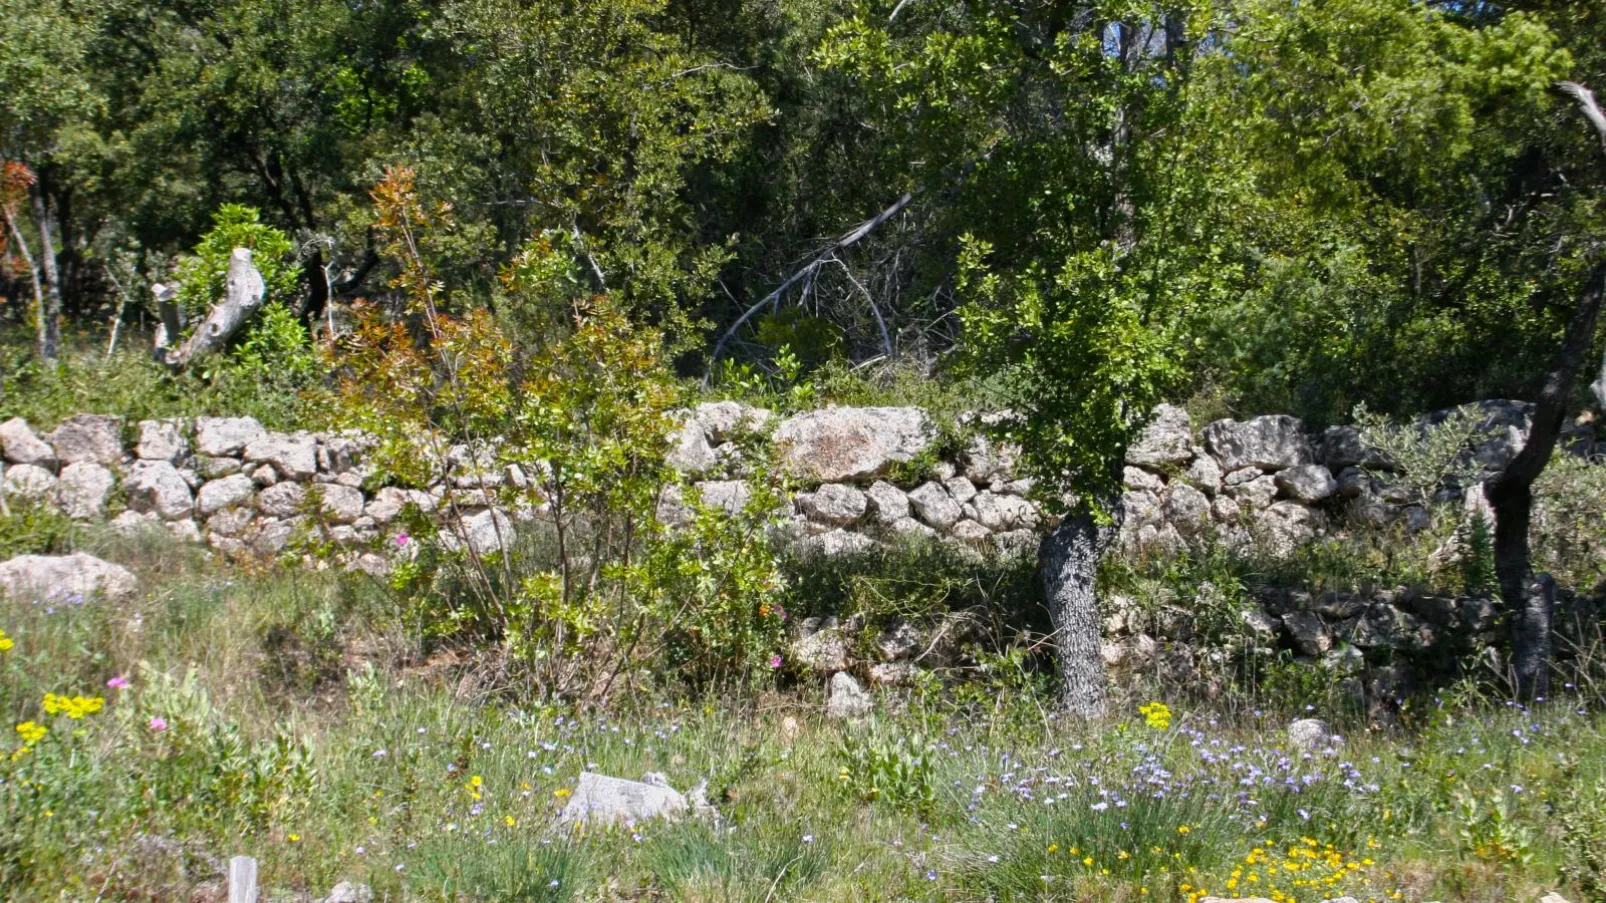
(511, 821)
(74, 707)
(1183, 829)
(32, 733)
(561, 792)
(5, 642)
(477, 781)
(1156, 715)
(293, 838)
(1088, 860)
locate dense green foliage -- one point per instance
(1276, 205)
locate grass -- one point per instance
(303, 727)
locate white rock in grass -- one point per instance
(159, 487)
(599, 801)
(95, 438)
(833, 503)
(848, 699)
(64, 578)
(225, 493)
(225, 436)
(29, 481)
(888, 504)
(935, 506)
(1311, 733)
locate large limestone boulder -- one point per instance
(1273, 442)
(481, 533)
(824, 651)
(225, 437)
(1310, 734)
(847, 444)
(341, 504)
(836, 504)
(23, 447)
(157, 486)
(1002, 513)
(1187, 508)
(1307, 632)
(293, 455)
(729, 496)
(888, 504)
(599, 801)
(95, 438)
(1166, 440)
(282, 500)
(162, 440)
(64, 578)
(82, 490)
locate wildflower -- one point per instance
(32, 733)
(775, 661)
(5, 642)
(402, 539)
(562, 792)
(158, 723)
(293, 838)
(74, 707)
(1156, 715)
(509, 820)
(808, 838)
(1183, 829)
(118, 683)
(477, 781)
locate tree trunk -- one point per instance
(1528, 601)
(50, 309)
(1069, 560)
(244, 292)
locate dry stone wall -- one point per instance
(240, 488)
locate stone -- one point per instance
(1386, 627)
(1271, 442)
(230, 521)
(162, 440)
(893, 674)
(887, 503)
(1167, 440)
(1308, 483)
(1224, 510)
(293, 455)
(133, 523)
(184, 530)
(225, 493)
(729, 496)
(1241, 476)
(898, 642)
(265, 475)
(960, 488)
(1138, 478)
(723, 421)
(1311, 734)
(225, 437)
(82, 490)
(986, 459)
(1338, 605)
(213, 468)
(1284, 527)
(64, 578)
(823, 651)
(1258, 493)
(29, 481)
(689, 451)
(600, 801)
(95, 438)
(1259, 624)
(1017, 542)
(1342, 446)
(341, 504)
(23, 447)
(347, 892)
(1307, 632)
(834, 503)
(1206, 474)
(481, 533)
(671, 509)
(935, 506)
(970, 531)
(848, 444)
(847, 699)
(1552, 897)
(1344, 661)
(1187, 508)
(282, 500)
(273, 536)
(387, 503)
(1353, 482)
(912, 528)
(834, 543)
(1004, 512)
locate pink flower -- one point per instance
(118, 683)
(403, 539)
(775, 661)
(158, 723)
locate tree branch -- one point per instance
(1586, 105)
(806, 272)
(244, 293)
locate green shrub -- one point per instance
(202, 274)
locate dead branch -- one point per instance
(243, 293)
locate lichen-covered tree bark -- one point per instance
(1069, 563)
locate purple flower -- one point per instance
(158, 723)
(775, 661)
(118, 683)
(403, 539)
